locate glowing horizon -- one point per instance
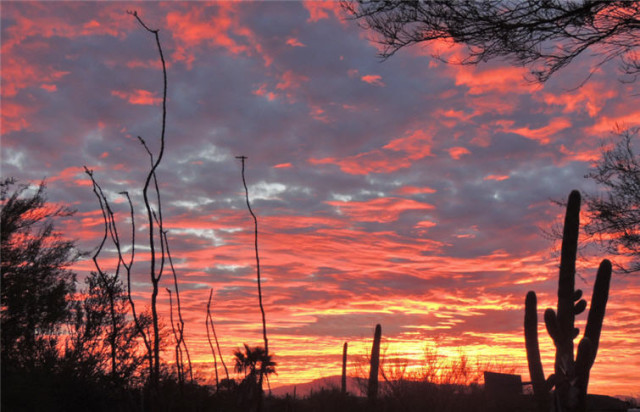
(408, 193)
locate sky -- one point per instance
(406, 192)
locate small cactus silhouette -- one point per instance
(571, 377)
(343, 388)
(372, 390)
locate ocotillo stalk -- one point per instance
(264, 320)
(372, 390)
(213, 351)
(344, 369)
(215, 336)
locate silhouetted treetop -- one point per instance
(36, 280)
(615, 214)
(545, 35)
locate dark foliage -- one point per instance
(615, 215)
(103, 342)
(36, 280)
(544, 35)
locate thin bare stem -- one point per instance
(213, 351)
(178, 338)
(180, 319)
(111, 228)
(264, 321)
(155, 276)
(215, 336)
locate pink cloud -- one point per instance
(262, 91)
(293, 42)
(397, 154)
(545, 133)
(14, 117)
(628, 117)
(504, 79)
(138, 96)
(416, 144)
(384, 209)
(196, 27)
(498, 178)
(49, 87)
(373, 79)
(412, 190)
(364, 163)
(319, 10)
(591, 97)
(457, 152)
(290, 80)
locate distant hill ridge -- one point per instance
(330, 382)
(354, 387)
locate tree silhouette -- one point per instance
(35, 279)
(252, 361)
(544, 35)
(615, 215)
(102, 340)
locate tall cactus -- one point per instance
(571, 378)
(372, 390)
(343, 388)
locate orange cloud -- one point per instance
(195, 27)
(384, 209)
(591, 97)
(38, 22)
(138, 96)
(397, 154)
(417, 144)
(506, 79)
(457, 152)
(412, 190)
(543, 134)
(49, 87)
(71, 176)
(290, 80)
(319, 10)
(373, 79)
(605, 124)
(364, 163)
(498, 178)
(14, 117)
(262, 91)
(293, 42)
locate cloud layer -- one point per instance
(408, 193)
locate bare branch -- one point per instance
(546, 36)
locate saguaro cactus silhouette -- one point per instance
(571, 377)
(372, 389)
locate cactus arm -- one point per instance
(585, 353)
(536, 371)
(551, 322)
(580, 307)
(598, 307)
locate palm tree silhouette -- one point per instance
(253, 361)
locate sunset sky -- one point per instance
(409, 192)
